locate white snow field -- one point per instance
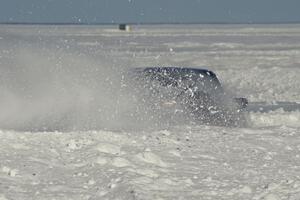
(69, 131)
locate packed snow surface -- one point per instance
(69, 129)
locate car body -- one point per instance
(194, 94)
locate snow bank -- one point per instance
(275, 118)
(188, 162)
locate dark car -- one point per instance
(193, 94)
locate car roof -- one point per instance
(178, 73)
(202, 79)
(177, 70)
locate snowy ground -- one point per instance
(64, 80)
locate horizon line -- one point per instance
(149, 23)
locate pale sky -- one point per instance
(150, 11)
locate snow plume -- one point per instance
(54, 89)
(57, 88)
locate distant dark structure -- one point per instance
(124, 27)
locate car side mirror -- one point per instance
(241, 102)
